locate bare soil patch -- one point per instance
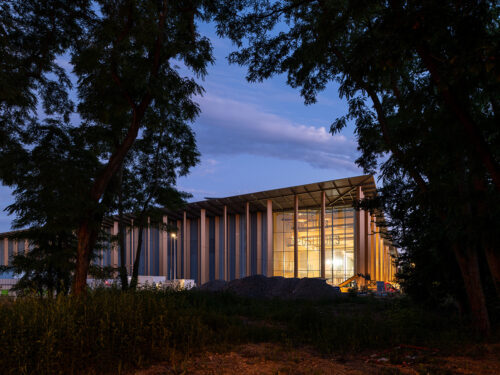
(253, 359)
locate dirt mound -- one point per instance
(214, 286)
(314, 289)
(260, 286)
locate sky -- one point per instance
(257, 136)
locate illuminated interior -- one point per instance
(339, 244)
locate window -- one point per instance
(339, 244)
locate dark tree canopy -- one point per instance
(124, 57)
(32, 35)
(50, 179)
(422, 81)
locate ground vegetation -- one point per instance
(112, 331)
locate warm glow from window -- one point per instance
(339, 244)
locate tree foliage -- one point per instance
(422, 81)
(65, 136)
(129, 56)
(150, 174)
(32, 36)
(50, 176)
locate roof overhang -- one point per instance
(340, 192)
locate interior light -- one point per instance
(337, 262)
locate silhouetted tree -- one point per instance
(421, 81)
(124, 56)
(49, 181)
(165, 152)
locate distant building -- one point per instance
(302, 231)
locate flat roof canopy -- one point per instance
(340, 192)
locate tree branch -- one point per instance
(119, 154)
(128, 25)
(462, 116)
(385, 133)
(125, 93)
(114, 72)
(382, 120)
(284, 9)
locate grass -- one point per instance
(110, 331)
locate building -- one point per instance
(302, 231)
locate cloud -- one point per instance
(227, 126)
(198, 194)
(208, 166)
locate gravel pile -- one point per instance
(259, 286)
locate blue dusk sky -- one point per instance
(258, 136)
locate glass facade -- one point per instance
(283, 244)
(339, 244)
(339, 254)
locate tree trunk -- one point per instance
(85, 242)
(493, 261)
(483, 152)
(469, 266)
(98, 190)
(488, 241)
(137, 260)
(122, 270)
(82, 259)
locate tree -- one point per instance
(32, 35)
(426, 270)
(48, 183)
(165, 151)
(125, 69)
(45, 267)
(124, 56)
(422, 85)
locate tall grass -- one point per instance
(110, 331)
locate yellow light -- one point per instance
(173, 235)
(338, 262)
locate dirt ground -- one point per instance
(253, 359)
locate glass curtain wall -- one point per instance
(309, 243)
(339, 244)
(339, 262)
(283, 244)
